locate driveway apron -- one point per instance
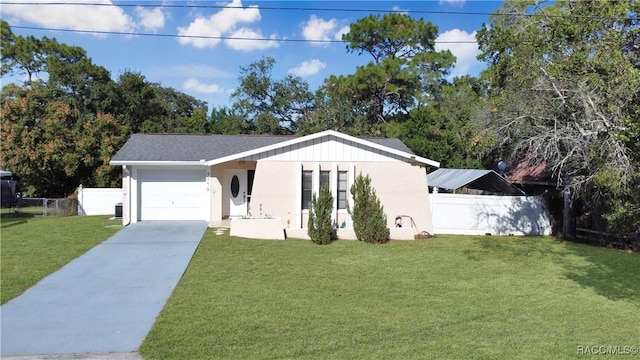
(105, 300)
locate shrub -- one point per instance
(319, 225)
(369, 219)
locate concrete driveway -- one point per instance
(106, 300)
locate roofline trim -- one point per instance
(411, 158)
(156, 163)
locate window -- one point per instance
(342, 190)
(325, 179)
(307, 189)
(315, 181)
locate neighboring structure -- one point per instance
(497, 211)
(487, 181)
(219, 177)
(9, 192)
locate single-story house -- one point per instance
(221, 177)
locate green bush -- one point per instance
(319, 225)
(369, 219)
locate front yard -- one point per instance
(448, 297)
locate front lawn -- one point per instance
(34, 247)
(448, 297)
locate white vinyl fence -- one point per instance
(487, 214)
(98, 201)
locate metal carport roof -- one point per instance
(488, 180)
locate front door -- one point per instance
(237, 190)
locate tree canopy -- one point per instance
(404, 68)
(565, 88)
(61, 127)
(273, 107)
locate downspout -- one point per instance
(127, 173)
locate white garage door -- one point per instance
(173, 194)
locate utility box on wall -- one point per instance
(118, 212)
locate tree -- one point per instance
(319, 225)
(176, 112)
(564, 88)
(225, 121)
(334, 110)
(369, 219)
(405, 64)
(52, 147)
(57, 134)
(136, 101)
(108, 135)
(31, 56)
(61, 132)
(149, 107)
(447, 129)
(274, 107)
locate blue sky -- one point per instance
(208, 68)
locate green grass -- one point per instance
(443, 298)
(34, 247)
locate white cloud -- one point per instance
(453, 2)
(239, 40)
(465, 52)
(343, 30)
(150, 20)
(190, 70)
(308, 68)
(319, 29)
(71, 16)
(199, 27)
(197, 86)
(221, 23)
(398, 10)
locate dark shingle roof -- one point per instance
(184, 147)
(390, 143)
(170, 147)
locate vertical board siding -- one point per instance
(486, 214)
(326, 149)
(99, 201)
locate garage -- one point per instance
(176, 194)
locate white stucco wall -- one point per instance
(274, 191)
(402, 190)
(401, 187)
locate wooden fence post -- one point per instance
(568, 218)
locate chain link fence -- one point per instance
(47, 207)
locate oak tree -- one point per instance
(565, 89)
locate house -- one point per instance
(220, 177)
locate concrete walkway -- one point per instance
(106, 300)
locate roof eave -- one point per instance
(417, 160)
(157, 163)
